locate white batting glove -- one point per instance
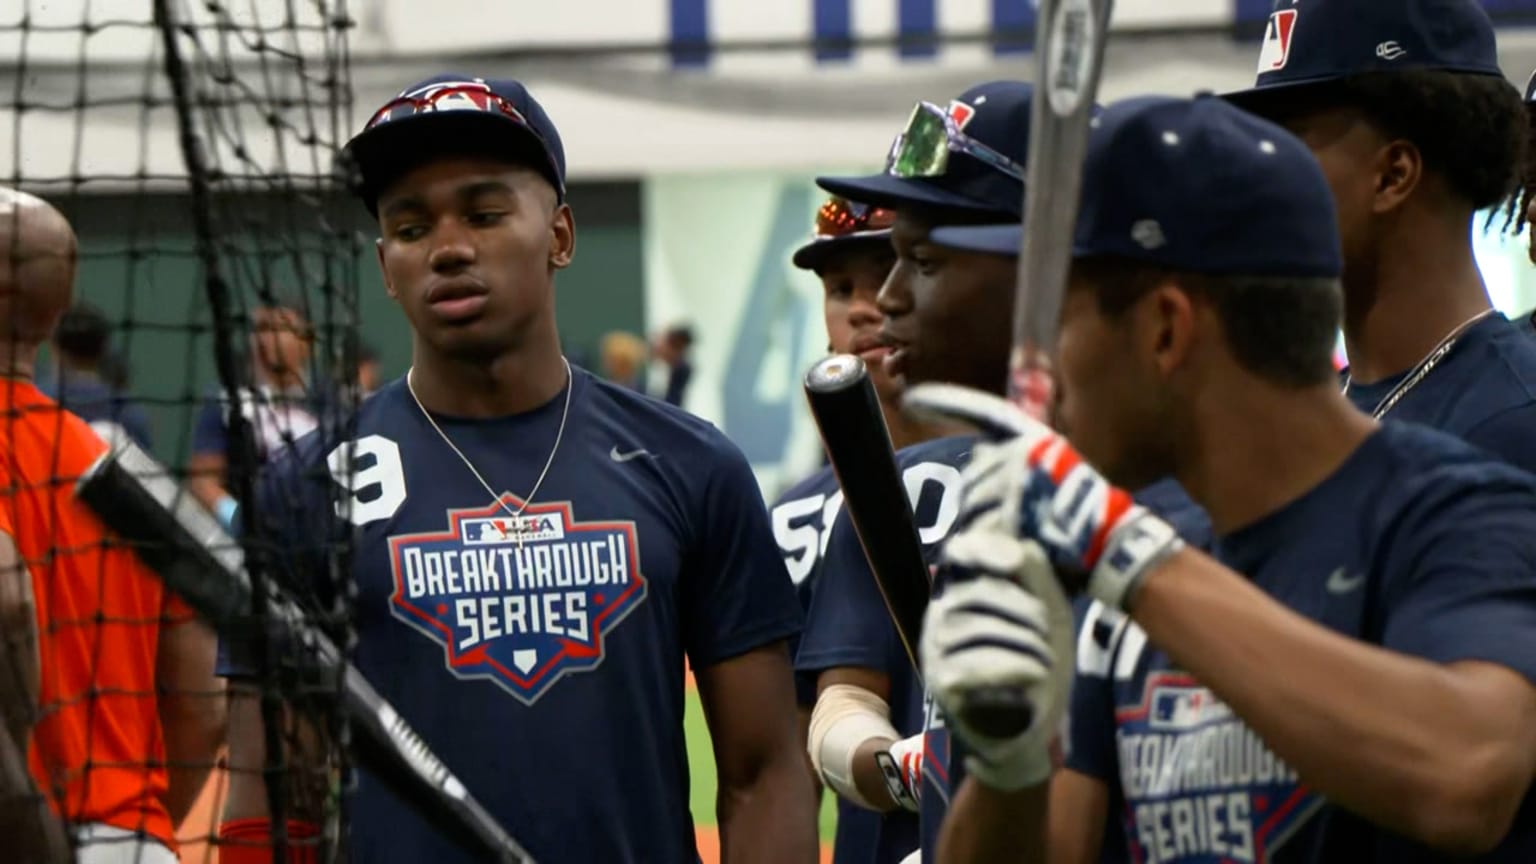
(902, 766)
(1036, 485)
(1010, 632)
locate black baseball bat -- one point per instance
(198, 560)
(853, 431)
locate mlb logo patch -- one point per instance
(961, 113)
(520, 601)
(1183, 708)
(1277, 41)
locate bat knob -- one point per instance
(998, 712)
(834, 373)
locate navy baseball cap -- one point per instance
(1196, 185)
(842, 224)
(969, 157)
(455, 114)
(1316, 42)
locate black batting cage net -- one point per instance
(179, 271)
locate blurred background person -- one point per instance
(369, 371)
(670, 350)
(279, 405)
(88, 376)
(622, 355)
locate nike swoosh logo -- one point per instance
(1340, 582)
(616, 456)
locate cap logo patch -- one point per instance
(1277, 41)
(1390, 50)
(1148, 234)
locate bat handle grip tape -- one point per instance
(997, 712)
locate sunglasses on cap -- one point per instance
(923, 148)
(457, 97)
(839, 217)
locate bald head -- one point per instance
(37, 269)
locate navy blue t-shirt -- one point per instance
(90, 399)
(1527, 322)
(548, 674)
(1483, 392)
(802, 520)
(277, 420)
(847, 625)
(1417, 543)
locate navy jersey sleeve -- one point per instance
(209, 434)
(1508, 435)
(1091, 713)
(735, 597)
(847, 624)
(1464, 587)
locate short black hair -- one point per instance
(1469, 128)
(681, 335)
(83, 333)
(1280, 328)
(1515, 208)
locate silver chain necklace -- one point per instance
(1421, 371)
(565, 413)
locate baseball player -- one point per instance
(539, 550)
(126, 716)
(850, 252)
(1350, 677)
(1405, 106)
(946, 319)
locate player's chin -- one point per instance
(471, 339)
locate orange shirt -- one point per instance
(97, 748)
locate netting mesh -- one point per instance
(214, 319)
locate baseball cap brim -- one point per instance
(815, 254)
(894, 193)
(380, 156)
(1267, 99)
(989, 239)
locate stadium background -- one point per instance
(691, 127)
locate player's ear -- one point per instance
(1399, 168)
(1168, 324)
(562, 245)
(389, 288)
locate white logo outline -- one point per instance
(1340, 582)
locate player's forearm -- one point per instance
(1411, 745)
(194, 729)
(193, 709)
(304, 765)
(770, 817)
(205, 479)
(985, 825)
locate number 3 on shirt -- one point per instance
(375, 477)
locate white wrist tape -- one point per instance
(844, 718)
(1140, 543)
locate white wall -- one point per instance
(620, 115)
